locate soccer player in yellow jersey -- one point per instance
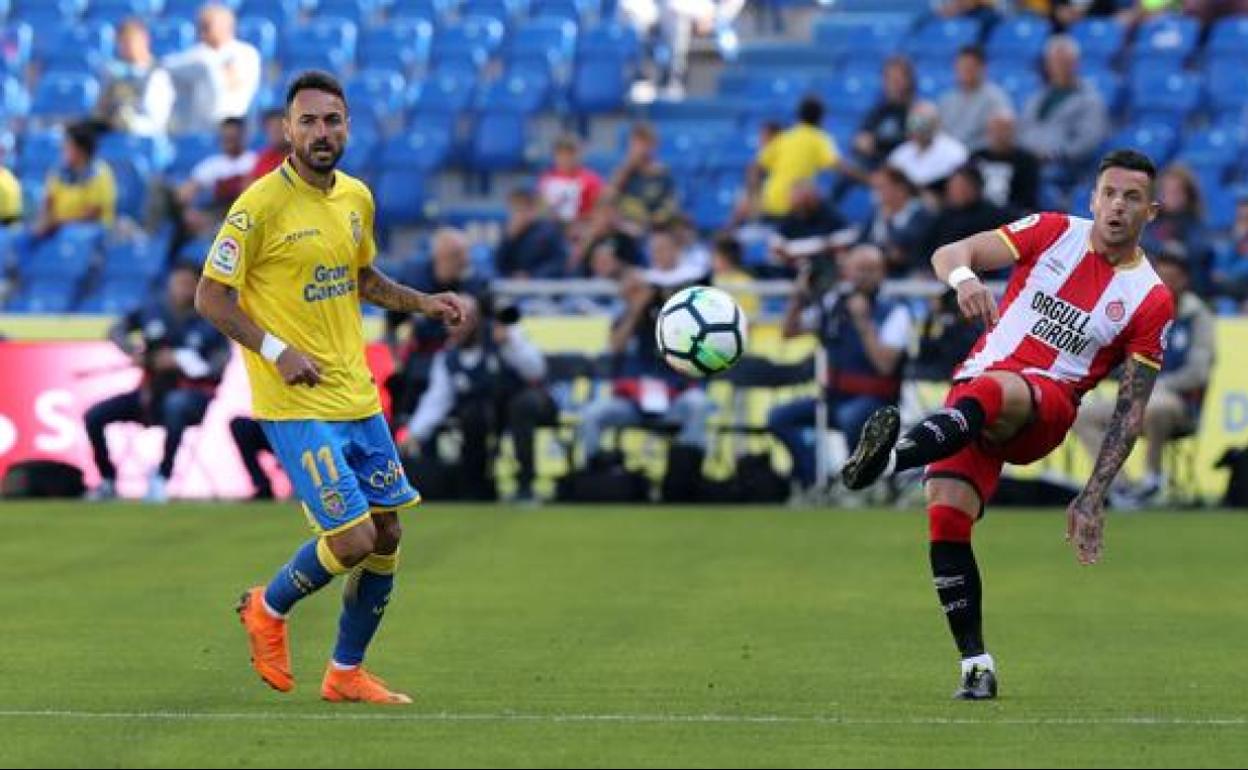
(284, 279)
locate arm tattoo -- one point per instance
(1124, 426)
(378, 289)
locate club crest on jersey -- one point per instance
(1116, 310)
(357, 227)
(1019, 225)
(332, 502)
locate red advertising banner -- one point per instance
(48, 386)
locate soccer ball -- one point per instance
(701, 331)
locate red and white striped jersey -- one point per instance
(1068, 314)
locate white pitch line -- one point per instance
(728, 719)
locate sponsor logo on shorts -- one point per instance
(1116, 310)
(224, 258)
(332, 502)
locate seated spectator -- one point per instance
(489, 378)
(884, 127)
(532, 245)
(642, 187)
(965, 110)
(603, 247)
(812, 230)
(81, 189)
(216, 78)
(1230, 269)
(182, 357)
(865, 337)
(1011, 174)
(643, 387)
(675, 261)
(276, 146)
(137, 94)
(727, 273)
(1066, 122)
(1180, 219)
(216, 181)
(250, 441)
(569, 190)
(929, 155)
(796, 155)
(966, 211)
(1175, 405)
(448, 269)
(900, 223)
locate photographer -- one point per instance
(183, 358)
(865, 337)
(489, 378)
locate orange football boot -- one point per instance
(357, 685)
(270, 654)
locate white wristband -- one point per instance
(961, 275)
(271, 347)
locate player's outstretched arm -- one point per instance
(1085, 518)
(377, 288)
(958, 263)
(217, 303)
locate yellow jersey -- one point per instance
(795, 155)
(74, 195)
(293, 253)
(10, 197)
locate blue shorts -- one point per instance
(342, 471)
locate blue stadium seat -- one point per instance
(16, 41)
(282, 13)
(64, 95)
(424, 146)
(189, 149)
(477, 35)
(855, 203)
(432, 10)
(499, 141)
(1166, 37)
(47, 14)
(1018, 39)
(82, 48)
(130, 173)
(552, 39)
(611, 39)
(446, 90)
(1020, 84)
(578, 11)
(498, 9)
(712, 208)
(693, 109)
(379, 91)
(1212, 147)
(1157, 140)
(781, 89)
(1228, 86)
(325, 43)
(1100, 39)
(358, 12)
(853, 93)
(940, 38)
(170, 35)
(1228, 37)
(1172, 97)
(116, 296)
(260, 32)
(140, 259)
(360, 158)
(116, 11)
(784, 55)
(400, 195)
(857, 36)
(932, 81)
(67, 255)
(402, 45)
(599, 85)
(1108, 84)
(517, 90)
(39, 152)
(14, 99)
(45, 295)
(187, 9)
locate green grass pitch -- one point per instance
(626, 637)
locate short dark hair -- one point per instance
(271, 113)
(83, 136)
(1131, 160)
(727, 246)
(898, 177)
(314, 80)
(973, 51)
(972, 174)
(235, 122)
(810, 110)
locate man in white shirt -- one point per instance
(218, 179)
(216, 78)
(929, 155)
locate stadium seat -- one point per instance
(64, 96)
(45, 295)
(1018, 39)
(446, 90)
(611, 39)
(1100, 39)
(189, 149)
(14, 99)
(781, 89)
(429, 10)
(499, 141)
(1166, 37)
(1020, 84)
(1157, 140)
(322, 43)
(67, 255)
(478, 36)
(932, 81)
(503, 10)
(1172, 97)
(188, 9)
(282, 13)
(170, 35)
(1228, 38)
(520, 91)
(857, 36)
(1108, 84)
(552, 39)
(853, 93)
(784, 55)
(399, 44)
(47, 14)
(360, 158)
(116, 296)
(381, 92)
(156, 151)
(261, 32)
(1228, 86)
(117, 11)
(82, 48)
(135, 260)
(599, 85)
(400, 197)
(711, 209)
(16, 42)
(39, 152)
(576, 11)
(424, 146)
(940, 38)
(358, 12)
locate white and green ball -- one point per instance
(701, 331)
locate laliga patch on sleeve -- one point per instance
(1019, 225)
(224, 258)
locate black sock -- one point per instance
(941, 434)
(956, 577)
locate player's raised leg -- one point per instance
(995, 405)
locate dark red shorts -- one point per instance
(979, 464)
